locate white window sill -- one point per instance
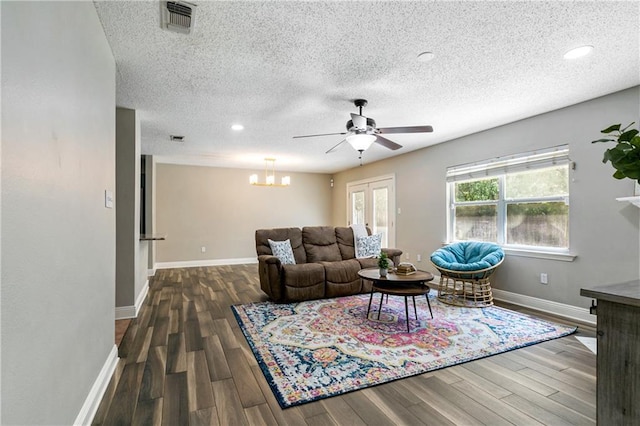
(550, 255)
(633, 200)
(537, 254)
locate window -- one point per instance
(521, 201)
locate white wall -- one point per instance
(58, 244)
(217, 208)
(603, 232)
(131, 253)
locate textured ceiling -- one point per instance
(292, 68)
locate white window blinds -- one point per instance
(513, 163)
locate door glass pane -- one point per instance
(357, 207)
(477, 222)
(381, 214)
(538, 224)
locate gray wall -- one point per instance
(58, 244)
(603, 231)
(150, 211)
(217, 208)
(131, 253)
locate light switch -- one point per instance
(108, 199)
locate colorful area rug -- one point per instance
(322, 348)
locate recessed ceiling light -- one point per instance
(237, 127)
(578, 52)
(426, 56)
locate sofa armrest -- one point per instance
(270, 273)
(394, 254)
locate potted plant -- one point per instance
(625, 156)
(383, 263)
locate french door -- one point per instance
(372, 202)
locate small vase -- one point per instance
(383, 272)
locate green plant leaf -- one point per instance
(619, 175)
(625, 129)
(628, 135)
(635, 141)
(633, 174)
(603, 140)
(611, 128)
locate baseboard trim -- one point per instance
(126, 312)
(151, 272)
(92, 402)
(560, 309)
(208, 262)
(549, 306)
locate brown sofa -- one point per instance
(326, 265)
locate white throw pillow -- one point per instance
(368, 246)
(283, 251)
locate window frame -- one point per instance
(499, 168)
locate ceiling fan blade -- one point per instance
(359, 121)
(387, 143)
(336, 146)
(321, 134)
(407, 129)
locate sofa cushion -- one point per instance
(320, 244)
(303, 282)
(294, 235)
(346, 243)
(342, 278)
(283, 251)
(369, 262)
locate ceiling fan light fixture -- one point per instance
(361, 141)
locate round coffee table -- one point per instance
(398, 285)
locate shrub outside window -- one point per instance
(521, 201)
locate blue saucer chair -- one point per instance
(465, 268)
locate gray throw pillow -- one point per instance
(283, 251)
(368, 246)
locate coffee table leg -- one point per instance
(429, 303)
(415, 311)
(380, 307)
(370, 298)
(406, 312)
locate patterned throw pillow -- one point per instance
(368, 246)
(283, 251)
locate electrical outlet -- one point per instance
(544, 279)
(203, 249)
(419, 258)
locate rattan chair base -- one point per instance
(472, 293)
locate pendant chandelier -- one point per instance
(269, 175)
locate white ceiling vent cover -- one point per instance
(177, 16)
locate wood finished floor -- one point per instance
(121, 328)
(184, 361)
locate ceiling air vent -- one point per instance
(176, 138)
(177, 16)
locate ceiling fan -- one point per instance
(362, 132)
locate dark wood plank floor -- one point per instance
(184, 361)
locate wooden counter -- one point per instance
(153, 237)
(618, 368)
